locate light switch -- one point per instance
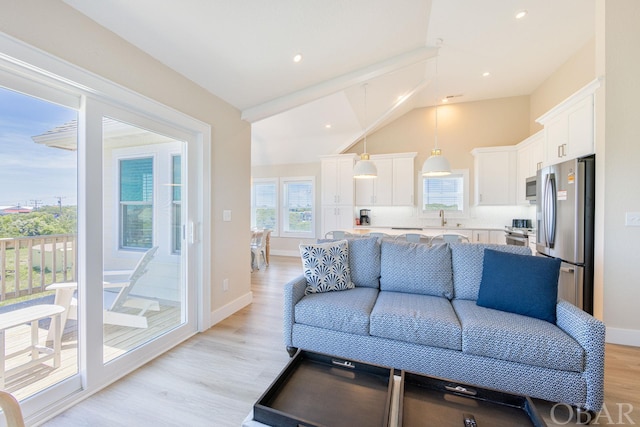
(226, 215)
(632, 219)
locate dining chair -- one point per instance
(259, 249)
(413, 237)
(448, 238)
(377, 234)
(338, 234)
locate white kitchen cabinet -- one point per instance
(336, 192)
(339, 217)
(569, 127)
(497, 237)
(480, 236)
(394, 185)
(379, 190)
(495, 175)
(337, 179)
(530, 157)
(404, 180)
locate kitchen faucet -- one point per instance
(442, 220)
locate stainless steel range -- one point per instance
(518, 236)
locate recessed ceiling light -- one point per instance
(486, 74)
(297, 57)
(445, 99)
(327, 126)
(521, 14)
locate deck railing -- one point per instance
(29, 264)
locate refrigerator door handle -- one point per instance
(550, 211)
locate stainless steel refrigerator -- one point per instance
(565, 220)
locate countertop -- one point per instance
(427, 231)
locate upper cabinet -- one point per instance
(495, 175)
(530, 157)
(403, 180)
(337, 179)
(378, 190)
(569, 127)
(394, 185)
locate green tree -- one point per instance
(48, 220)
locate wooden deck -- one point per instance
(118, 340)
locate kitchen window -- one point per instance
(448, 193)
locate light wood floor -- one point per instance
(214, 378)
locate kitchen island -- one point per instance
(479, 235)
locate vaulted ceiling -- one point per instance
(242, 51)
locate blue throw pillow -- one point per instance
(521, 284)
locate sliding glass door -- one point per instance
(38, 236)
(144, 285)
(101, 229)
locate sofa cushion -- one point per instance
(467, 260)
(521, 284)
(364, 260)
(416, 268)
(516, 338)
(326, 266)
(346, 311)
(421, 319)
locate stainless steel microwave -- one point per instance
(530, 189)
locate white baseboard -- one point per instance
(282, 252)
(230, 308)
(623, 336)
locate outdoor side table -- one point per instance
(39, 354)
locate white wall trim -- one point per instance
(623, 336)
(230, 308)
(285, 252)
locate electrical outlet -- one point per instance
(225, 285)
(632, 219)
(226, 215)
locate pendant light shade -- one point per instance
(365, 168)
(436, 164)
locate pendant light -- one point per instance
(365, 168)
(436, 164)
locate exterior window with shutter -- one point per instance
(176, 203)
(136, 203)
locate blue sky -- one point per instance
(30, 171)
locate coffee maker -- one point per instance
(364, 217)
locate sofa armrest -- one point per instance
(590, 334)
(293, 292)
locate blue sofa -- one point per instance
(414, 307)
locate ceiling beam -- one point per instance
(328, 87)
(384, 116)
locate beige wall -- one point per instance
(56, 28)
(575, 73)
(619, 156)
(461, 128)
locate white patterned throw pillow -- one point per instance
(326, 266)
